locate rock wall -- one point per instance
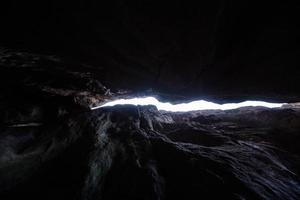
(52, 146)
(214, 49)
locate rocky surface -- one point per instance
(222, 50)
(53, 147)
(128, 152)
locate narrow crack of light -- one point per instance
(184, 107)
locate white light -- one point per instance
(184, 107)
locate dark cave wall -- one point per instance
(129, 152)
(229, 49)
(52, 146)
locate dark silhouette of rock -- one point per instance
(52, 146)
(221, 50)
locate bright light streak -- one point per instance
(184, 107)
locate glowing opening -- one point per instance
(184, 107)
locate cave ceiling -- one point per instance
(222, 50)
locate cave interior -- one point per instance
(62, 62)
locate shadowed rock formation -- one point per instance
(53, 147)
(221, 50)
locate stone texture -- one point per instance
(52, 146)
(128, 152)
